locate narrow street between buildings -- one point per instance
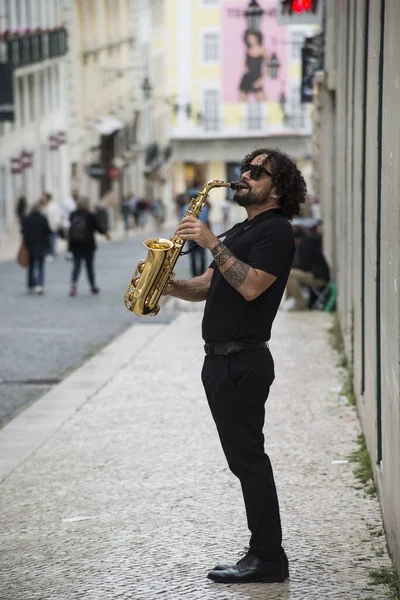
(45, 337)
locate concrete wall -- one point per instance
(357, 101)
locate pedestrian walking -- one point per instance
(243, 288)
(36, 233)
(82, 244)
(125, 212)
(52, 212)
(158, 211)
(133, 204)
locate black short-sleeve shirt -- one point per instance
(266, 243)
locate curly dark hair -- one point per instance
(288, 182)
(256, 34)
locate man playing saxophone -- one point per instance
(243, 288)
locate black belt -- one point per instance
(228, 348)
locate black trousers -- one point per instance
(237, 387)
(35, 270)
(88, 257)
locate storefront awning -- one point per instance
(108, 125)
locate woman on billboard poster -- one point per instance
(256, 61)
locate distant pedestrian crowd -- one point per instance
(45, 222)
(135, 212)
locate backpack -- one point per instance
(79, 231)
(101, 216)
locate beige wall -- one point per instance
(361, 220)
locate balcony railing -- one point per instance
(33, 48)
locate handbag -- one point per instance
(23, 255)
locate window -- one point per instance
(210, 46)
(11, 15)
(211, 110)
(254, 115)
(296, 112)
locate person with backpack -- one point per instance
(82, 243)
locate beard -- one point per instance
(251, 198)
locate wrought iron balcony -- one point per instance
(35, 47)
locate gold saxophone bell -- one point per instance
(153, 274)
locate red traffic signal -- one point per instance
(299, 6)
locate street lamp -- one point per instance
(146, 87)
(273, 66)
(253, 16)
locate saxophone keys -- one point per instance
(141, 266)
(135, 281)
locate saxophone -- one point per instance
(153, 274)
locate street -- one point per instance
(115, 485)
(43, 338)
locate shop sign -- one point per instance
(113, 172)
(96, 170)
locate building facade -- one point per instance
(104, 98)
(77, 110)
(356, 133)
(232, 89)
(153, 38)
(33, 118)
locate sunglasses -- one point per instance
(255, 171)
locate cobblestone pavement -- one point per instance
(48, 336)
(131, 497)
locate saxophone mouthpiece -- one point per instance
(236, 185)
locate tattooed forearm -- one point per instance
(217, 249)
(223, 256)
(236, 274)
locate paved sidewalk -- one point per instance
(115, 486)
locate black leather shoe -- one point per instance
(284, 558)
(250, 569)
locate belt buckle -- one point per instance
(234, 348)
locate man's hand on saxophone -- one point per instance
(196, 289)
(197, 231)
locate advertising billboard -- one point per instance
(248, 56)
